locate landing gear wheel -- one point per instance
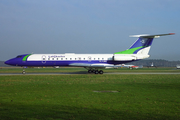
(89, 71)
(23, 72)
(101, 72)
(96, 72)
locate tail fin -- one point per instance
(142, 45)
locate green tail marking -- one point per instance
(25, 58)
(130, 51)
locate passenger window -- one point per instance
(61, 58)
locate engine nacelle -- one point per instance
(123, 57)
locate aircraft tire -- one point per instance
(96, 72)
(89, 71)
(101, 72)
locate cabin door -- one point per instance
(89, 59)
(43, 59)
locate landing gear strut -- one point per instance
(23, 72)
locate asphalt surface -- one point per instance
(76, 73)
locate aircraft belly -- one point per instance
(67, 63)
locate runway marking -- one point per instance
(161, 73)
(106, 91)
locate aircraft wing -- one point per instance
(96, 65)
(91, 65)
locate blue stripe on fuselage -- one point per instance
(19, 62)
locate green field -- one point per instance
(89, 96)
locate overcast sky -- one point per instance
(87, 26)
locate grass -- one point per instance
(72, 97)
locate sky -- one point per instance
(87, 26)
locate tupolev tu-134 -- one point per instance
(92, 62)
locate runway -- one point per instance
(78, 73)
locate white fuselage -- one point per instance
(70, 57)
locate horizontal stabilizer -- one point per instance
(150, 36)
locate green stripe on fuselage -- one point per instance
(130, 51)
(25, 58)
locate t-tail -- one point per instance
(140, 48)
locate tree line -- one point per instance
(156, 62)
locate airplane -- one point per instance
(131, 66)
(134, 66)
(92, 62)
(152, 65)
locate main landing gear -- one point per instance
(95, 71)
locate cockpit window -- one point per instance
(19, 56)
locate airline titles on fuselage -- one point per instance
(63, 57)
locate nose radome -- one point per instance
(7, 62)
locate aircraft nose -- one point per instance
(7, 62)
(10, 62)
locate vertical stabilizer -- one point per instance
(142, 45)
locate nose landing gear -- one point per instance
(23, 72)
